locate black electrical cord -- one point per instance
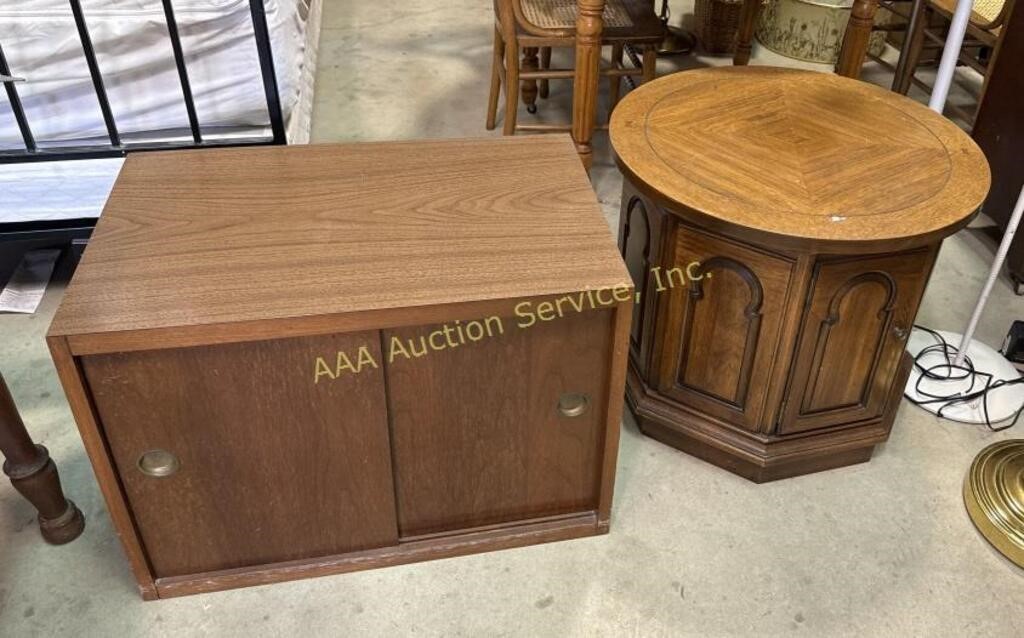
(948, 370)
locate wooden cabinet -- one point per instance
(780, 266)
(858, 315)
(641, 230)
(769, 363)
(489, 412)
(359, 383)
(236, 498)
(725, 302)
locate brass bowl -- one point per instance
(994, 496)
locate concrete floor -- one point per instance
(878, 549)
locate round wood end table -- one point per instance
(780, 227)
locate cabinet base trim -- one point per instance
(473, 542)
(752, 471)
(757, 457)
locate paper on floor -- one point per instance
(28, 283)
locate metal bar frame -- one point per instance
(266, 56)
(117, 146)
(16, 107)
(94, 73)
(179, 61)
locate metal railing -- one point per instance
(115, 145)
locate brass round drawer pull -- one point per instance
(573, 404)
(158, 463)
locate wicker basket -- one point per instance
(717, 21)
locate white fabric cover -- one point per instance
(135, 57)
(68, 189)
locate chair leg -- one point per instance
(914, 46)
(496, 64)
(854, 48)
(745, 32)
(34, 475)
(543, 90)
(614, 81)
(649, 63)
(530, 63)
(511, 87)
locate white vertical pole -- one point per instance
(950, 55)
(993, 275)
(943, 80)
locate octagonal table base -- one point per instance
(769, 363)
(779, 266)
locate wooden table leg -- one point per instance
(749, 12)
(589, 25)
(34, 475)
(855, 40)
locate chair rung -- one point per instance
(968, 43)
(547, 74)
(568, 74)
(545, 128)
(622, 72)
(553, 128)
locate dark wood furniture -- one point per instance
(999, 131)
(983, 32)
(749, 13)
(780, 268)
(34, 474)
(534, 27)
(290, 362)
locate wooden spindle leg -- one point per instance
(530, 63)
(855, 40)
(34, 475)
(614, 81)
(543, 90)
(511, 86)
(650, 62)
(496, 70)
(910, 52)
(589, 26)
(745, 33)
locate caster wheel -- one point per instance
(531, 108)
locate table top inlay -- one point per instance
(800, 154)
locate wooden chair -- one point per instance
(34, 475)
(983, 30)
(589, 37)
(534, 27)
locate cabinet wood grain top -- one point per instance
(196, 238)
(799, 154)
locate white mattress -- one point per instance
(134, 54)
(69, 189)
